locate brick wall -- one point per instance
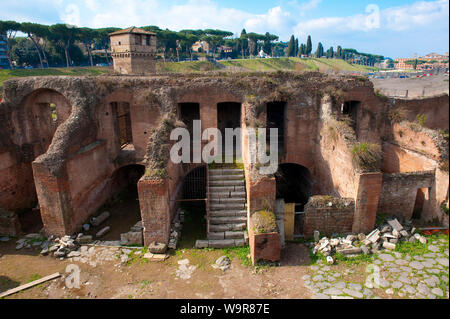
(337, 218)
(399, 192)
(435, 109)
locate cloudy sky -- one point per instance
(397, 28)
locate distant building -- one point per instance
(200, 46)
(133, 51)
(4, 62)
(426, 62)
(263, 54)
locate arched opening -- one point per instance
(123, 204)
(228, 116)
(276, 119)
(351, 109)
(42, 112)
(294, 185)
(193, 203)
(422, 196)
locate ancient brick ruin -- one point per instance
(64, 141)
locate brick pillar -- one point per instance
(261, 194)
(366, 202)
(54, 201)
(155, 211)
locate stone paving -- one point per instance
(390, 275)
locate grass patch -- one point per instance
(34, 277)
(241, 253)
(367, 156)
(417, 248)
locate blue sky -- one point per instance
(397, 28)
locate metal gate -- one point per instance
(194, 186)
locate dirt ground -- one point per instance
(432, 85)
(140, 278)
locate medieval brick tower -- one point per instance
(133, 51)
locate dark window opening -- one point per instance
(294, 184)
(228, 116)
(276, 119)
(188, 113)
(350, 109)
(122, 110)
(147, 40)
(421, 197)
(138, 39)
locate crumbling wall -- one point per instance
(329, 215)
(87, 138)
(433, 110)
(399, 192)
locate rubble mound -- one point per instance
(385, 236)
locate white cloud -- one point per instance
(399, 18)
(400, 26)
(71, 15)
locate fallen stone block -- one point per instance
(102, 232)
(374, 236)
(395, 224)
(404, 233)
(316, 235)
(96, 221)
(388, 245)
(157, 248)
(85, 239)
(349, 251)
(365, 250)
(131, 238)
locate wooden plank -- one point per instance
(289, 217)
(29, 285)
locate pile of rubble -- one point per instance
(386, 236)
(58, 247)
(69, 246)
(134, 236)
(175, 229)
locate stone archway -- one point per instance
(35, 121)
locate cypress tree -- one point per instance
(308, 45)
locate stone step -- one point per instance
(219, 243)
(227, 213)
(228, 194)
(229, 200)
(227, 220)
(226, 171)
(227, 206)
(216, 235)
(224, 189)
(227, 227)
(234, 234)
(227, 183)
(227, 235)
(226, 177)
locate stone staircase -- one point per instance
(227, 220)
